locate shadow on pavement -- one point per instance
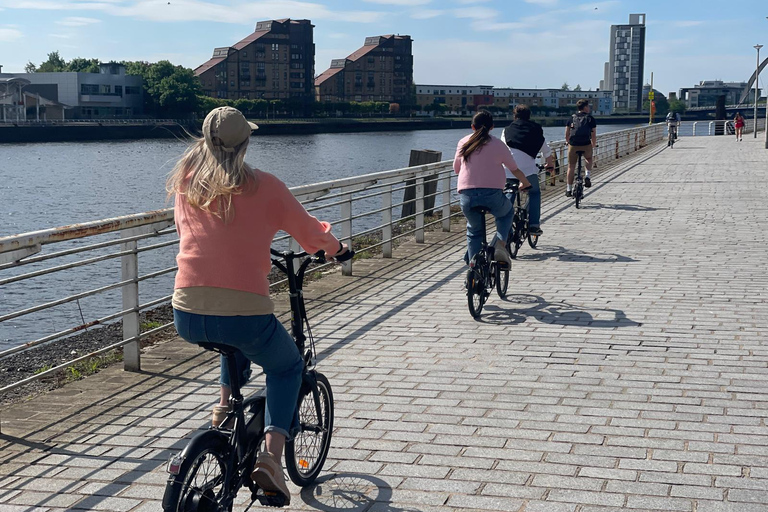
(560, 313)
(574, 255)
(622, 207)
(350, 492)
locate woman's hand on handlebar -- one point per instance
(344, 253)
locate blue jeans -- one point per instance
(534, 201)
(498, 205)
(263, 340)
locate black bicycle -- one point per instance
(520, 223)
(207, 475)
(578, 186)
(484, 273)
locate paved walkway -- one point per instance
(628, 369)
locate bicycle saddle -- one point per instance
(218, 347)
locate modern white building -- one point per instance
(107, 94)
(17, 104)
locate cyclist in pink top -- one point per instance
(480, 160)
(227, 214)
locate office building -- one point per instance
(275, 62)
(381, 70)
(110, 93)
(623, 73)
(706, 92)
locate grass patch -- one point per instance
(90, 366)
(149, 325)
(43, 369)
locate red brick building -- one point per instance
(382, 70)
(276, 61)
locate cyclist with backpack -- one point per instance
(673, 121)
(581, 135)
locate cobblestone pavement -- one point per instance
(626, 370)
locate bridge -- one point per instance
(626, 369)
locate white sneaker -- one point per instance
(268, 476)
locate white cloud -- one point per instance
(61, 36)
(467, 2)
(425, 14)
(76, 21)
(197, 10)
(398, 2)
(8, 35)
(541, 2)
(688, 23)
(476, 13)
(338, 35)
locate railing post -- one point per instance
(694, 128)
(386, 231)
(129, 264)
(420, 210)
(346, 230)
(446, 185)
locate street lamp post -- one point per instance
(757, 72)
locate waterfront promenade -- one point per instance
(627, 370)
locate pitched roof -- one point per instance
(325, 75)
(248, 40)
(202, 68)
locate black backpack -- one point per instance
(581, 130)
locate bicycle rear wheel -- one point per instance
(578, 193)
(199, 485)
(305, 454)
(475, 292)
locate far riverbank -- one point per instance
(96, 131)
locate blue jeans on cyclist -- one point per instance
(534, 201)
(263, 340)
(499, 207)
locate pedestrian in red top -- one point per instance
(738, 124)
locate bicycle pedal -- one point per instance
(269, 499)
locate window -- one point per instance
(297, 75)
(275, 47)
(232, 83)
(89, 89)
(297, 85)
(119, 90)
(275, 56)
(132, 90)
(297, 65)
(296, 56)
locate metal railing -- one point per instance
(77, 122)
(724, 127)
(363, 208)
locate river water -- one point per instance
(54, 184)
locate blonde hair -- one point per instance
(208, 178)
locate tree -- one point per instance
(30, 68)
(677, 106)
(54, 64)
(80, 65)
(168, 90)
(577, 88)
(565, 87)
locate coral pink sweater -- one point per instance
(236, 255)
(485, 166)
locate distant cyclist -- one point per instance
(526, 140)
(581, 135)
(673, 122)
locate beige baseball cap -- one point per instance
(229, 126)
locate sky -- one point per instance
(504, 43)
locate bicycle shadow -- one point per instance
(573, 255)
(350, 492)
(622, 207)
(560, 313)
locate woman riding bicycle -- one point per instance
(480, 160)
(227, 214)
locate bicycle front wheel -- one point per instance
(305, 454)
(200, 482)
(533, 240)
(502, 281)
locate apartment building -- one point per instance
(465, 100)
(458, 98)
(623, 73)
(706, 93)
(276, 61)
(381, 70)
